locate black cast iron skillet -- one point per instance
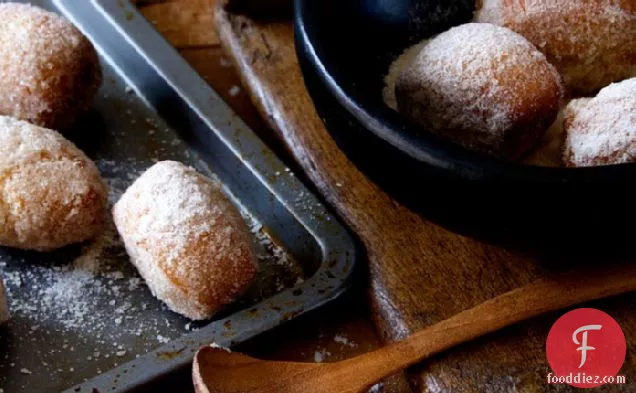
(345, 48)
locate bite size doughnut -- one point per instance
(189, 243)
(602, 130)
(51, 194)
(591, 42)
(49, 72)
(482, 86)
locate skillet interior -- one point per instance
(345, 49)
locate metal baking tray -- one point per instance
(82, 318)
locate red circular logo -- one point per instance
(585, 348)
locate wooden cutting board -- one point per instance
(335, 332)
(419, 273)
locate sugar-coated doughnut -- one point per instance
(187, 240)
(49, 72)
(591, 42)
(51, 194)
(602, 130)
(482, 86)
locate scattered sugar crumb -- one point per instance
(25, 371)
(217, 346)
(134, 283)
(341, 339)
(234, 91)
(87, 296)
(321, 355)
(162, 339)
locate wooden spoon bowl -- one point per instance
(221, 371)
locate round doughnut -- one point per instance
(483, 87)
(591, 42)
(51, 194)
(49, 72)
(602, 130)
(189, 243)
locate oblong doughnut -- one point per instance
(187, 240)
(482, 86)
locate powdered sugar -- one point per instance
(395, 70)
(341, 339)
(377, 388)
(591, 43)
(186, 239)
(99, 313)
(217, 346)
(49, 71)
(88, 304)
(602, 130)
(321, 355)
(474, 83)
(65, 294)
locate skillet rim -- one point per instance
(427, 148)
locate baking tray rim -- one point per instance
(335, 242)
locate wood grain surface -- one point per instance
(338, 331)
(220, 371)
(419, 273)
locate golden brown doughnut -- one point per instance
(51, 194)
(187, 240)
(49, 72)
(482, 86)
(602, 130)
(591, 42)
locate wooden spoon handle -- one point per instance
(539, 297)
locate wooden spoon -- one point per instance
(219, 371)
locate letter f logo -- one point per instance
(584, 347)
